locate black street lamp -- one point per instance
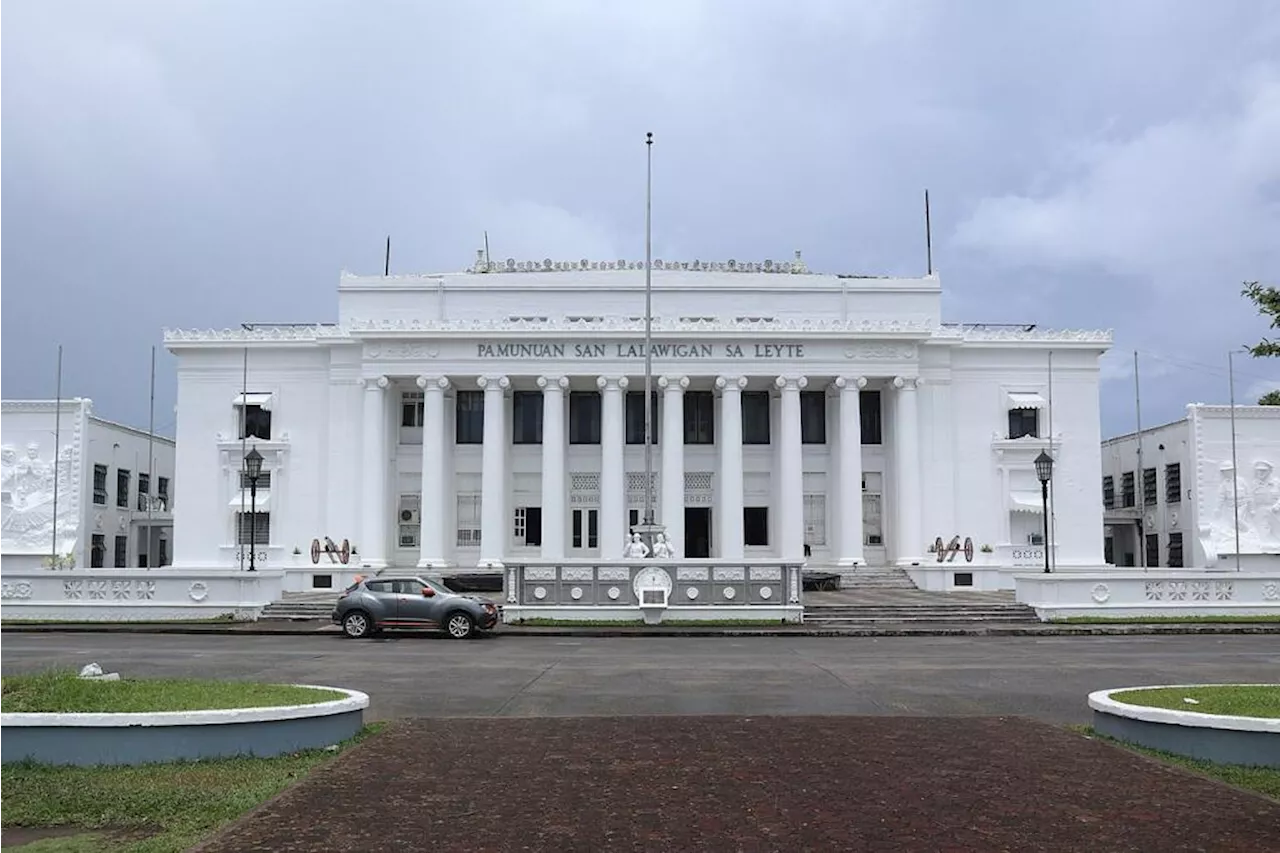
(1044, 471)
(253, 467)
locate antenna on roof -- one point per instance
(928, 235)
(486, 251)
(386, 264)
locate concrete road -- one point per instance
(411, 675)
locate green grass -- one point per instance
(1233, 700)
(1263, 780)
(636, 623)
(61, 691)
(175, 804)
(1145, 620)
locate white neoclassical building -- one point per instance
(494, 415)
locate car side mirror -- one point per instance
(428, 592)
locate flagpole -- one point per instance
(152, 480)
(57, 455)
(648, 329)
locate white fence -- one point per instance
(1156, 592)
(135, 595)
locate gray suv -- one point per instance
(372, 604)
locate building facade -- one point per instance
(495, 415)
(112, 495)
(1172, 494)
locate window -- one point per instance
(411, 408)
(1109, 492)
(584, 417)
(163, 559)
(264, 480)
(526, 417)
(468, 520)
(962, 579)
(100, 485)
(97, 551)
(261, 529)
(162, 491)
(815, 519)
(1173, 485)
(635, 417)
(144, 491)
(699, 417)
(1153, 549)
(122, 552)
(527, 529)
(122, 487)
(592, 528)
(1175, 550)
(1127, 491)
(755, 417)
(755, 525)
(322, 581)
(1109, 550)
(1149, 487)
(470, 418)
(813, 417)
(869, 412)
(255, 422)
(1024, 423)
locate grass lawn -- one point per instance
(61, 691)
(1233, 700)
(1263, 780)
(1146, 620)
(155, 808)
(636, 623)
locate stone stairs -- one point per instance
(885, 595)
(302, 606)
(873, 577)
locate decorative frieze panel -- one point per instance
(768, 573)
(733, 573)
(691, 573)
(539, 574)
(15, 590)
(606, 573)
(1198, 590)
(577, 573)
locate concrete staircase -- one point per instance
(301, 606)
(873, 577)
(885, 595)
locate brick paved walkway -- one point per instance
(747, 784)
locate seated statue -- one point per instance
(662, 548)
(636, 549)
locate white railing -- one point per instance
(1155, 592)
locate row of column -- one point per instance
(613, 526)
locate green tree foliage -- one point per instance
(1271, 398)
(1267, 299)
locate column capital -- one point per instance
(605, 383)
(907, 383)
(373, 383)
(553, 383)
(673, 383)
(854, 383)
(432, 383)
(791, 382)
(499, 382)
(724, 383)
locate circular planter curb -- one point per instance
(1220, 738)
(139, 738)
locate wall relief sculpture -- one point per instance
(1256, 500)
(26, 496)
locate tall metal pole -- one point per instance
(152, 480)
(1140, 502)
(648, 329)
(57, 447)
(1044, 501)
(1235, 469)
(1051, 515)
(244, 435)
(253, 520)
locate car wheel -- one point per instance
(356, 625)
(459, 625)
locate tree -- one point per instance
(1271, 398)
(1268, 301)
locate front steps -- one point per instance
(871, 577)
(942, 613)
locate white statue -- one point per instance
(662, 548)
(636, 549)
(1264, 502)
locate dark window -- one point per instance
(144, 491)
(813, 417)
(122, 552)
(633, 517)
(470, 418)
(635, 417)
(261, 528)
(755, 417)
(526, 417)
(584, 417)
(869, 409)
(322, 581)
(1175, 550)
(100, 485)
(162, 488)
(699, 417)
(264, 480)
(533, 525)
(1024, 422)
(963, 579)
(164, 553)
(255, 422)
(1149, 489)
(1109, 551)
(1128, 495)
(1153, 549)
(593, 528)
(97, 551)
(577, 528)
(755, 525)
(1109, 492)
(381, 587)
(411, 409)
(122, 487)
(1173, 485)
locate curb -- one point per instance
(888, 630)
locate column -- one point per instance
(613, 486)
(435, 488)
(554, 496)
(671, 445)
(493, 475)
(906, 451)
(373, 513)
(728, 509)
(849, 443)
(790, 471)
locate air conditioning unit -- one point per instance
(410, 516)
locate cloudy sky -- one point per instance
(1111, 164)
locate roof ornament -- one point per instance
(797, 266)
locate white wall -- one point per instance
(1257, 451)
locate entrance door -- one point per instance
(697, 531)
(585, 531)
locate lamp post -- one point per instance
(1044, 472)
(253, 466)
